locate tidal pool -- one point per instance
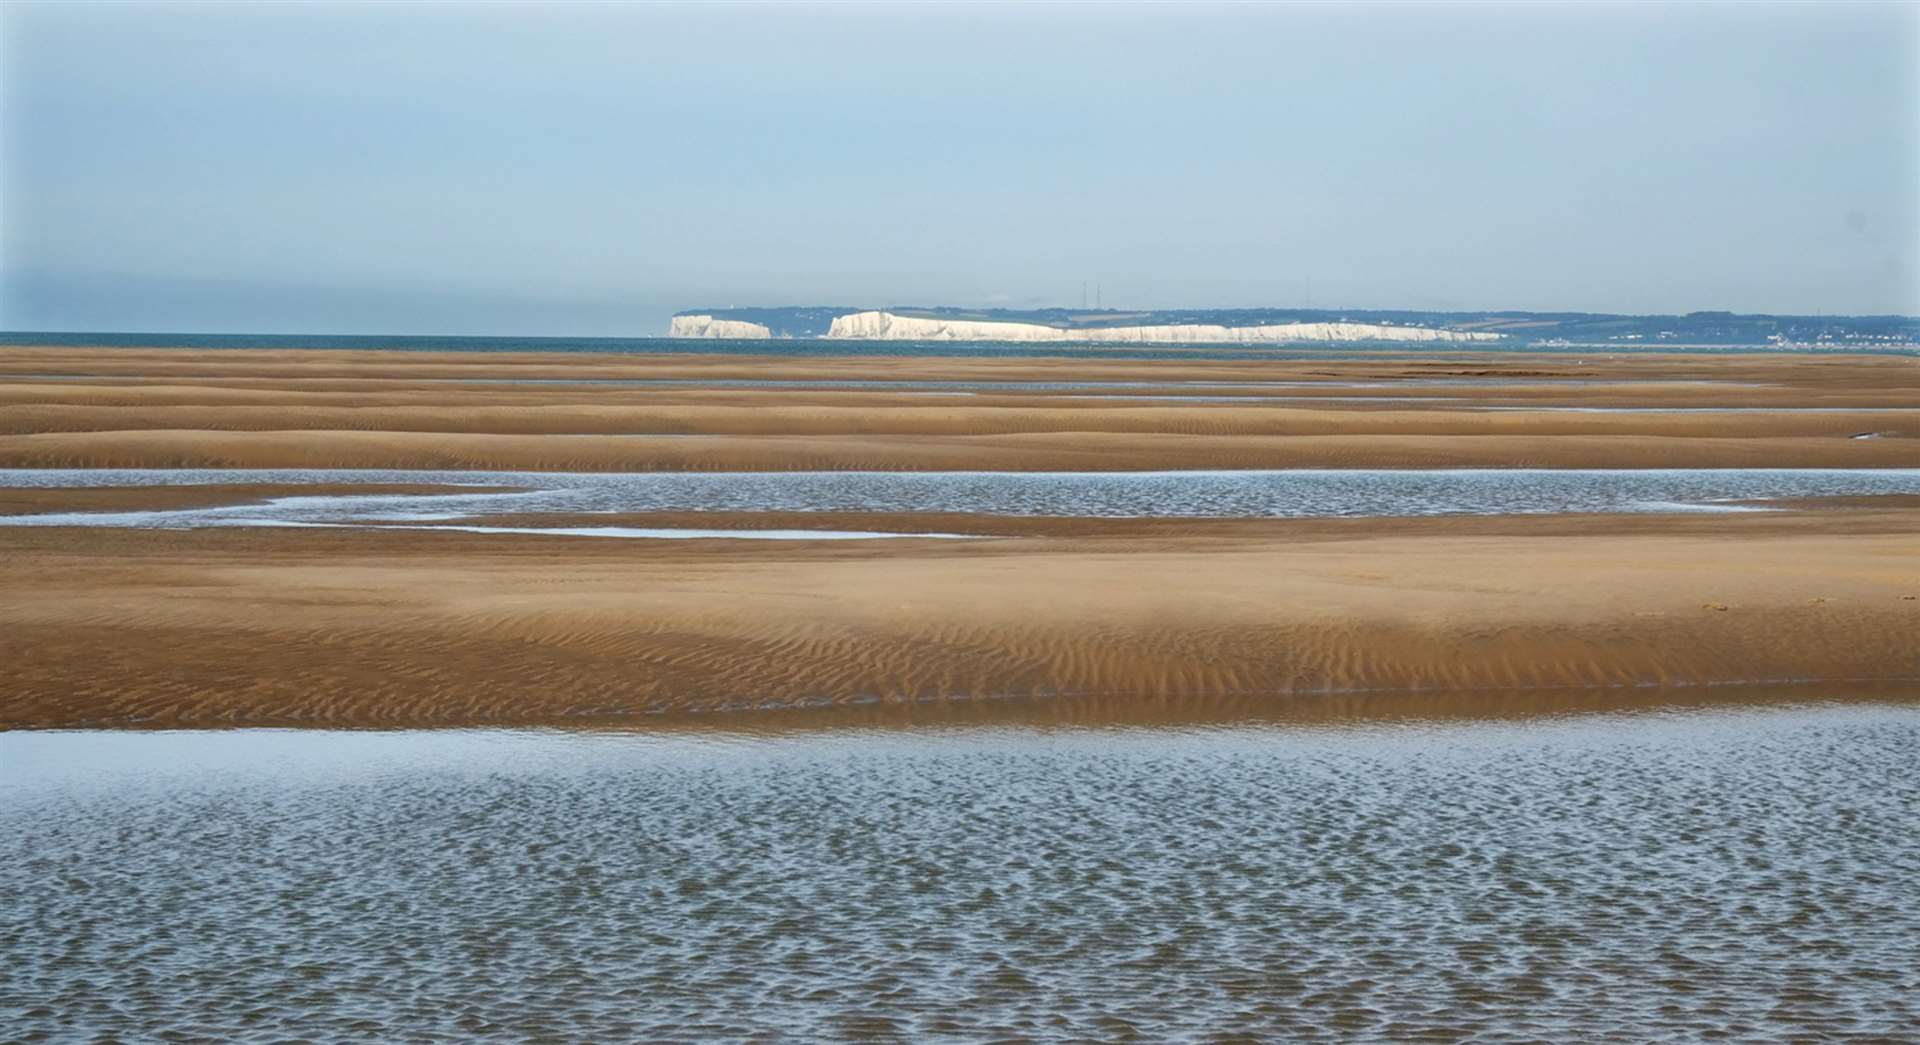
(1745, 872)
(1295, 493)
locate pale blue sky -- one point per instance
(589, 169)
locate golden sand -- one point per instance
(153, 408)
(132, 627)
(119, 627)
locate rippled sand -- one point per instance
(319, 409)
(322, 626)
(1072, 779)
(143, 628)
(1741, 874)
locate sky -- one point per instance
(577, 170)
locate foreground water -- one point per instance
(1269, 494)
(1669, 874)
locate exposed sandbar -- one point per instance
(404, 627)
(1050, 451)
(357, 627)
(219, 408)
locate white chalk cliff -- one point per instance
(886, 326)
(707, 326)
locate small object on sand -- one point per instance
(1720, 606)
(1864, 435)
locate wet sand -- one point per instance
(270, 627)
(121, 408)
(402, 627)
(1830, 372)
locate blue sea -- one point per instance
(802, 348)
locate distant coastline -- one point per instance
(1291, 326)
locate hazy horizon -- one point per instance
(587, 171)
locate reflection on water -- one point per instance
(1658, 874)
(1265, 494)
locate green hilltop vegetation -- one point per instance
(1693, 328)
